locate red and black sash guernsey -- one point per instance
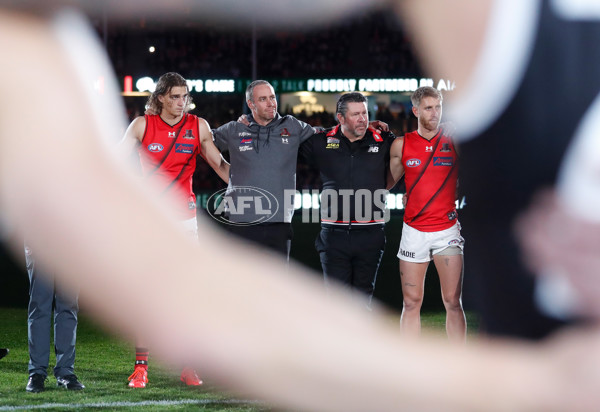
(431, 174)
(168, 158)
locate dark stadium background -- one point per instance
(369, 46)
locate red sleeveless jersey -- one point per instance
(431, 175)
(168, 158)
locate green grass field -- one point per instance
(103, 365)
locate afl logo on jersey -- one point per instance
(413, 163)
(155, 147)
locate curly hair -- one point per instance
(164, 85)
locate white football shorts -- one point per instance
(419, 247)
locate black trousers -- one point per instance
(274, 236)
(351, 256)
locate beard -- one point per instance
(430, 124)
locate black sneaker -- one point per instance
(3, 352)
(70, 382)
(35, 383)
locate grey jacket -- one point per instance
(262, 177)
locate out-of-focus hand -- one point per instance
(556, 244)
(243, 119)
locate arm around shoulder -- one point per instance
(210, 152)
(396, 169)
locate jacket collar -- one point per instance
(371, 135)
(253, 122)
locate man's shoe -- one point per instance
(3, 352)
(70, 382)
(35, 383)
(139, 377)
(190, 378)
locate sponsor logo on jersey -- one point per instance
(285, 133)
(454, 242)
(373, 148)
(188, 134)
(155, 147)
(285, 140)
(452, 215)
(250, 204)
(413, 162)
(184, 148)
(445, 147)
(244, 134)
(245, 148)
(172, 134)
(428, 148)
(333, 143)
(246, 140)
(443, 161)
(407, 254)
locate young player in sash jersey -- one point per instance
(168, 144)
(429, 162)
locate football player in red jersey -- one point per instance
(431, 231)
(168, 143)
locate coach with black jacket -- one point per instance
(353, 161)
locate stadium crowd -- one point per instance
(371, 45)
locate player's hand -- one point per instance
(563, 248)
(404, 200)
(244, 120)
(379, 125)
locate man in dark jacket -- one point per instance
(353, 160)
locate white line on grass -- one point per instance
(128, 404)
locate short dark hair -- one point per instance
(354, 97)
(251, 86)
(164, 85)
(425, 91)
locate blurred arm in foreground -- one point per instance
(277, 337)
